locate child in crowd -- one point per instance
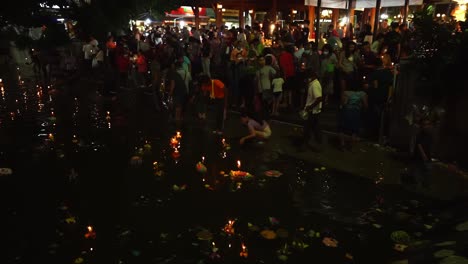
(277, 83)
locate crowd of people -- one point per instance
(233, 68)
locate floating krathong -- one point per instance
(174, 142)
(273, 173)
(204, 235)
(90, 234)
(229, 227)
(244, 253)
(268, 234)
(330, 242)
(176, 153)
(201, 168)
(240, 175)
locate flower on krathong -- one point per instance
(229, 227)
(201, 168)
(268, 234)
(204, 235)
(70, 220)
(177, 188)
(400, 247)
(330, 242)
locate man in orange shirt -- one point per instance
(216, 90)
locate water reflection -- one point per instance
(142, 184)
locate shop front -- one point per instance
(185, 16)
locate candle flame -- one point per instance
(90, 229)
(238, 164)
(243, 247)
(203, 159)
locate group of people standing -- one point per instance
(235, 69)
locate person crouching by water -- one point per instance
(258, 128)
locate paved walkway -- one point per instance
(367, 159)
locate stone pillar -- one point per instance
(317, 20)
(405, 11)
(219, 17)
(311, 21)
(351, 16)
(364, 18)
(241, 14)
(377, 17)
(335, 17)
(241, 18)
(196, 12)
(372, 18)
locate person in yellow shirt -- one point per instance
(216, 90)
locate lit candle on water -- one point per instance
(174, 142)
(90, 233)
(244, 252)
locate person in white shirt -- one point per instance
(298, 53)
(241, 36)
(314, 107)
(93, 42)
(258, 128)
(88, 54)
(277, 92)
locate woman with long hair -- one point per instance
(348, 62)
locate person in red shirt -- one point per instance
(142, 69)
(216, 90)
(123, 63)
(286, 61)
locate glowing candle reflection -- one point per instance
(90, 233)
(244, 252)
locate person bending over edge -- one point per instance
(258, 128)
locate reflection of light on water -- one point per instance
(108, 119)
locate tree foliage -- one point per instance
(94, 17)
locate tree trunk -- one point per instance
(196, 12)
